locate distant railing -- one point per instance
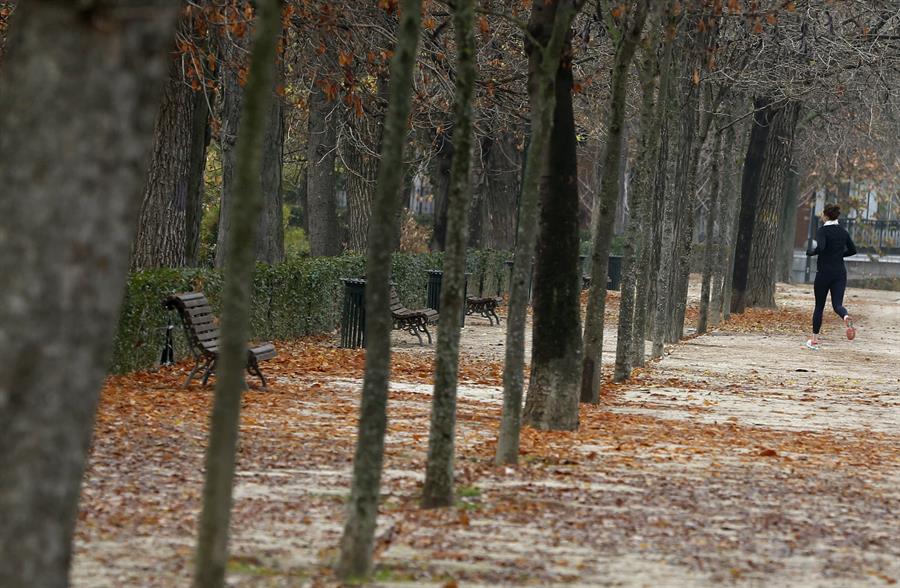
(874, 235)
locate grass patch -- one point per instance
(468, 492)
(252, 566)
(387, 574)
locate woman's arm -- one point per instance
(820, 243)
(850, 248)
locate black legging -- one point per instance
(836, 283)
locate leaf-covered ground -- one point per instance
(738, 459)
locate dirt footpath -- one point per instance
(740, 459)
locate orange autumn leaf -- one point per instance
(484, 26)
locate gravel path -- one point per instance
(738, 459)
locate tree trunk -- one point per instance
(359, 151)
(168, 224)
(712, 236)
(665, 256)
(440, 181)
(76, 171)
(359, 532)
(691, 143)
(551, 22)
(660, 197)
(623, 204)
(500, 190)
(787, 224)
(201, 135)
(212, 541)
(729, 201)
(552, 400)
(750, 186)
(232, 50)
(609, 188)
(270, 233)
(324, 237)
(731, 226)
(362, 171)
(636, 260)
(779, 147)
(438, 489)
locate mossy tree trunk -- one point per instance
(543, 65)
(552, 400)
(726, 260)
(713, 240)
(79, 93)
(609, 188)
(239, 254)
(359, 531)
(636, 260)
(438, 489)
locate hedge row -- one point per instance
(290, 300)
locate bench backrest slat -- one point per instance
(200, 324)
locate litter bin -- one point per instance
(614, 273)
(433, 293)
(585, 277)
(353, 316)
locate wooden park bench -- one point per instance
(201, 329)
(486, 307)
(413, 322)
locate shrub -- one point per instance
(302, 296)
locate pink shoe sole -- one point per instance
(851, 332)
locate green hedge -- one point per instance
(290, 300)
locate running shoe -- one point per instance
(811, 345)
(851, 332)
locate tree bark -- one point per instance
(665, 256)
(750, 185)
(770, 206)
(636, 261)
(212, 541)
(731, 227)
(232, 51)
(76, 171)
(609, 188)
(712, 236)
(324, 236)
(551, 22)
(661, 197)
(787, 225)
(168, 225)
(438, 489)
(552, 400)
(359, 151)
(359, 531)
(440, 181)
(692, 141)
(201, 135)
(500, 190)
(270, 232)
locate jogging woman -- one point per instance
(833, 244)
